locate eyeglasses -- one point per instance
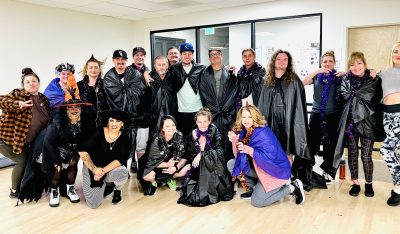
(215, 54)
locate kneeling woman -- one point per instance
(104, 156)
(261, 164)
(164, 158)
(69, 128)
(208, 180)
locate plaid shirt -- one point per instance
(15, 122)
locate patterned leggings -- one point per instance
(366, 156)
(391, 145)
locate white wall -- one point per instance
(337, 16)
(42, 37)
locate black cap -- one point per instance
(120, 54)
(137, 50)
(115, 114)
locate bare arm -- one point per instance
(111, 166)
(87, 161)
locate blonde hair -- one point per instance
(258, 118)
(92, 60)
(330, 53)
(203, 112)
(251, 50)
(391, 63)
(354, 56)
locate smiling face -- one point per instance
(281, 62)
(169, 128)
(187, 57)
(63, 75)
(93, 69)
(31, 84)
(202, 123)
(396, 56)
(358, 68)
(138, 59)
(247, 120)
(215, 57)
(173, 56)
(74, 113)
(114, 125)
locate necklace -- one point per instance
(113, 140)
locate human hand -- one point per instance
(340, 73)
(232, 69)
(196, 160)
(324, 70)
(240, 147)
(99, 172)
(170, 170)
(232, 136)
(23, 104)
(171, 162)
(202, 142)
(147, 78)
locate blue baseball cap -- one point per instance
(186, 47)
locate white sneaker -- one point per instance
(54, 197)
(71, 194)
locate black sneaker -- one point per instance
(14, 195)
(298, 192)
(394, 199)
(134, 167)
(116, 197)
(246, 195)
(369, 191)
(355, 190)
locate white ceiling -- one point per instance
(141, 9)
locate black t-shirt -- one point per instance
(318, 89)
(102, 153)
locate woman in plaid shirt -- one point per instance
(25, 112)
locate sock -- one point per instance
(396, 190)
(291, 188)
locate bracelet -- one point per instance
(94, 169)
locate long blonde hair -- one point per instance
(258, 118)
(391, 63)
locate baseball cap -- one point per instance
(186, 47)
(120, 54)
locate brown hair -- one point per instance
(354, 56)
(28, 72)
(329, 53)
(289, 75)
(203, 112)
(391, 63)
(251, 50)
(258, 118)
(92, 59)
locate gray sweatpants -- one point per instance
(94, 196)
(260, 198)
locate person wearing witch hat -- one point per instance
(70, 127)
(104, 155)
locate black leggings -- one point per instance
(71, 171)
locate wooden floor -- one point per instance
(325, 211)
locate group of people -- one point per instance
(207, 125)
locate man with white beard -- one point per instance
(163, 90)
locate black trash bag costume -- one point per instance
(363, 107)
(159, 150)
(250, 83)
(295, 123)
(164, 101)
(210, 181)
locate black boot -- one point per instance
(369, 191)
(355, 190)
(116, 197)
(394, 199)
